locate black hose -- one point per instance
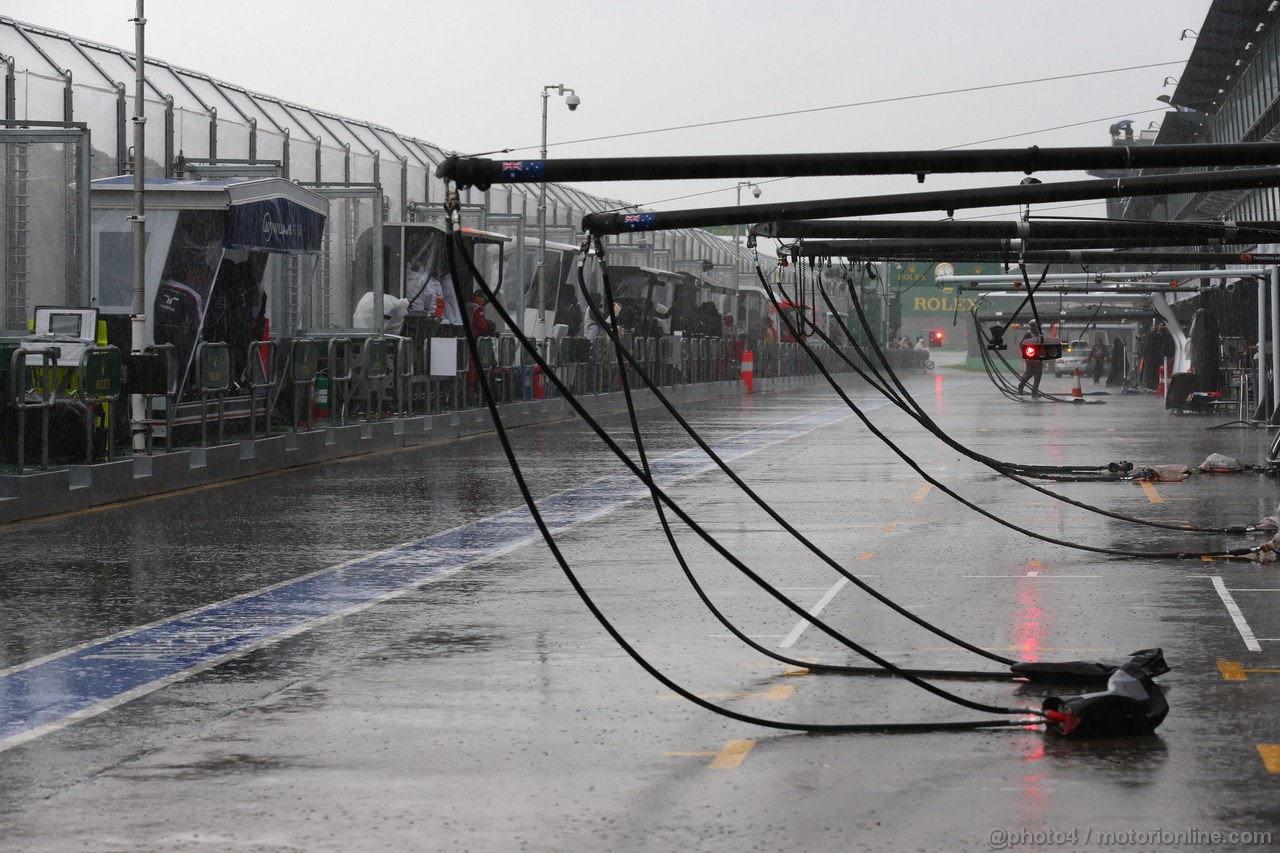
(840, 392)
(658, 492)
(1010, 470)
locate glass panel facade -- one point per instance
(99, 108)
(41, 244)
(191, 134)
(405, 165)
(39, 97)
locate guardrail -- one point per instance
(22, 384)
(339, 377)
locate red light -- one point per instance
(937, 336)
(1029, 351)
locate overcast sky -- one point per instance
(468, 76)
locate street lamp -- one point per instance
(737, 229)
(572, 102)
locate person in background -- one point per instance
(770, 336)
(1033, 368)
(480, 326)
(479, 321)
(1116, 376)
(591, 328)
(1097, 359)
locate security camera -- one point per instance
(572, 102)
(755, 191)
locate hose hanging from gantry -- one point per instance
(800, 337)
(489, 399)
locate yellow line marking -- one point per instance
(1233, 671)
(1270, 753)
(732, 754)
(778, 692)
(889, 527)
(922, 493)
(1209, 558)
(1152, 494)
(797, 672)
(866, 555)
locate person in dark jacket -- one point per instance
(1033, 368)
(1097, 360)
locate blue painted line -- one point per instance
(49, 693)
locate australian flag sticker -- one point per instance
(523, 170)
(639, 221)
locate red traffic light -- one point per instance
(1047, 351)
(935, 339)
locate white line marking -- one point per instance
(1246, 589)
(817, 608)
(1246, 633)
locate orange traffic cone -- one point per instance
(748, 371)
(1077, 393)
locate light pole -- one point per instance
(737, 230)
(572, 102)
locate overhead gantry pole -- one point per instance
(484, 173)
(945, 200)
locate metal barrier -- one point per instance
(600, 363)
(261, 378)
(339, 383)
(46, 393)
(429, 381)
(98, 383)
(303, 368)
(638, 347)
(149, 382)
(377, 367)
(460, 389)
(665, 347)
(404, 375)
(487, 347)
(213, 362)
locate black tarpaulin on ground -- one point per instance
(1132, 704)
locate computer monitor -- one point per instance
(81, 323)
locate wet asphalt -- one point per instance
(433, 682)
